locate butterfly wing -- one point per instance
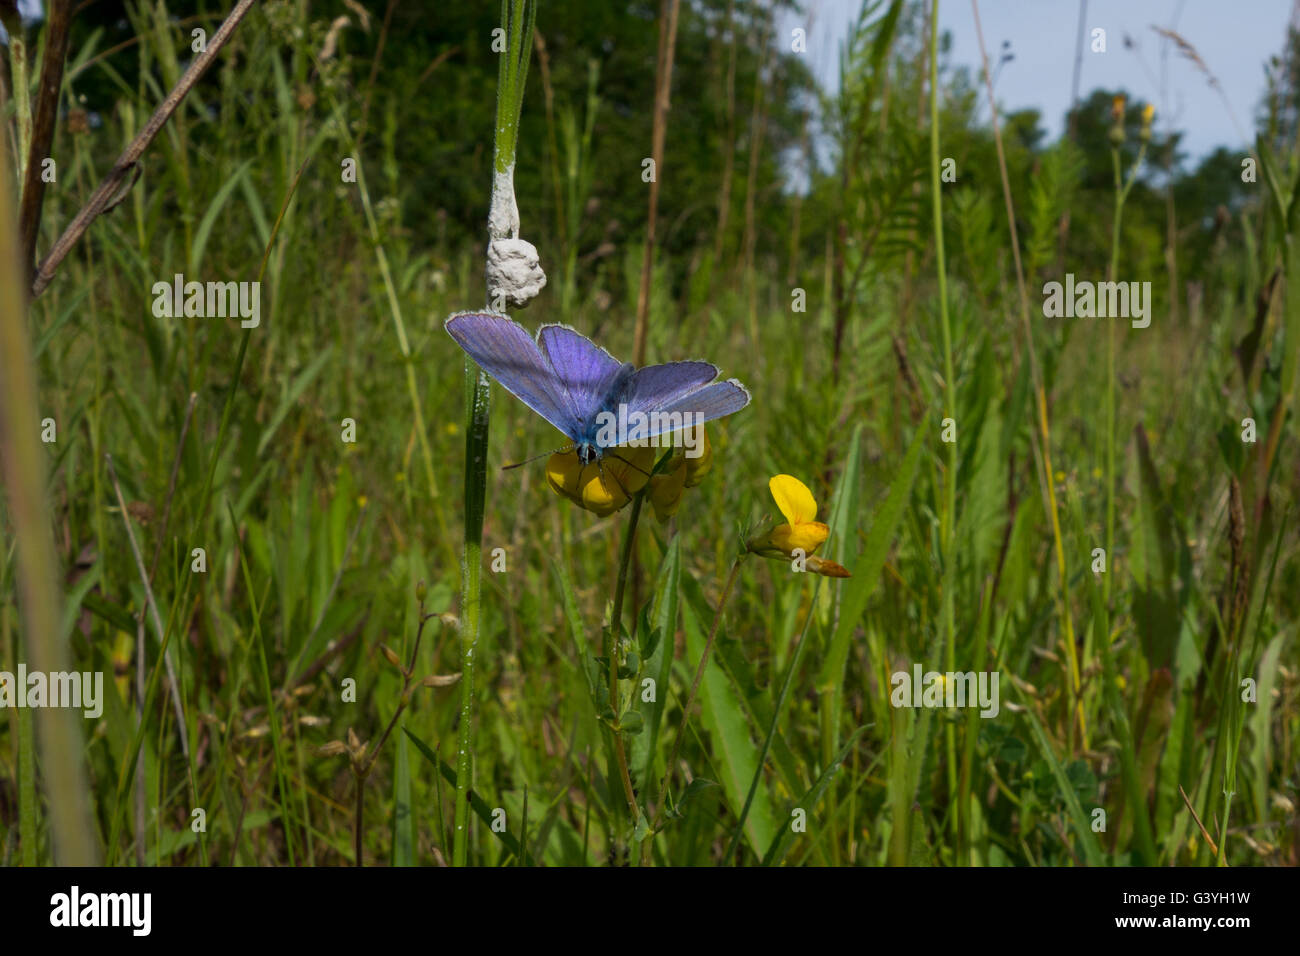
(712, 401)
(656, 385)
(683, 388)
(506, 351)
(586, 371)
(567, 379)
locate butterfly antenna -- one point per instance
(519, 464)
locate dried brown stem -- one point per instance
(103, 197)
(43, 122)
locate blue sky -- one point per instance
(1235, 38)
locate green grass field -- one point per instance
(360, 608)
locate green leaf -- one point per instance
(694, 790)
(657, 663)
(650, 641)
(776, 852)
(47, 336)
(734, 754)
(866, 574)
(290, 399)
(1087, 839)
(476, 803)
(632, 722)
(586, 663)
(109, 612)
(1137, 797)
(403, 821)
(1159, 559)
(209, 219)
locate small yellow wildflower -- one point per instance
(1148, 114)
(800, 533)
(682, 472)
(666, 491)
(1117, 121)
(601, 487)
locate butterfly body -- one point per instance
(596, 401)
(586, 435)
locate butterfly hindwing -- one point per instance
(710, 402)
(681, 388)
(656, 385)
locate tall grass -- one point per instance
(36, 579)
(772, 691)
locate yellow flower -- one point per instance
(1116, 133)
(698, 468)
(601, 487)
(681, 472)
(1148, 114)
(666, 490)
(624, 471)
(801, 532)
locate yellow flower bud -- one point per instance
(698, 468)
(603, 486)
(1148, 115)
(666, 490)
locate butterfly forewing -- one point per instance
(585, 370)
(506, 351)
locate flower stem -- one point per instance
(478, 399)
